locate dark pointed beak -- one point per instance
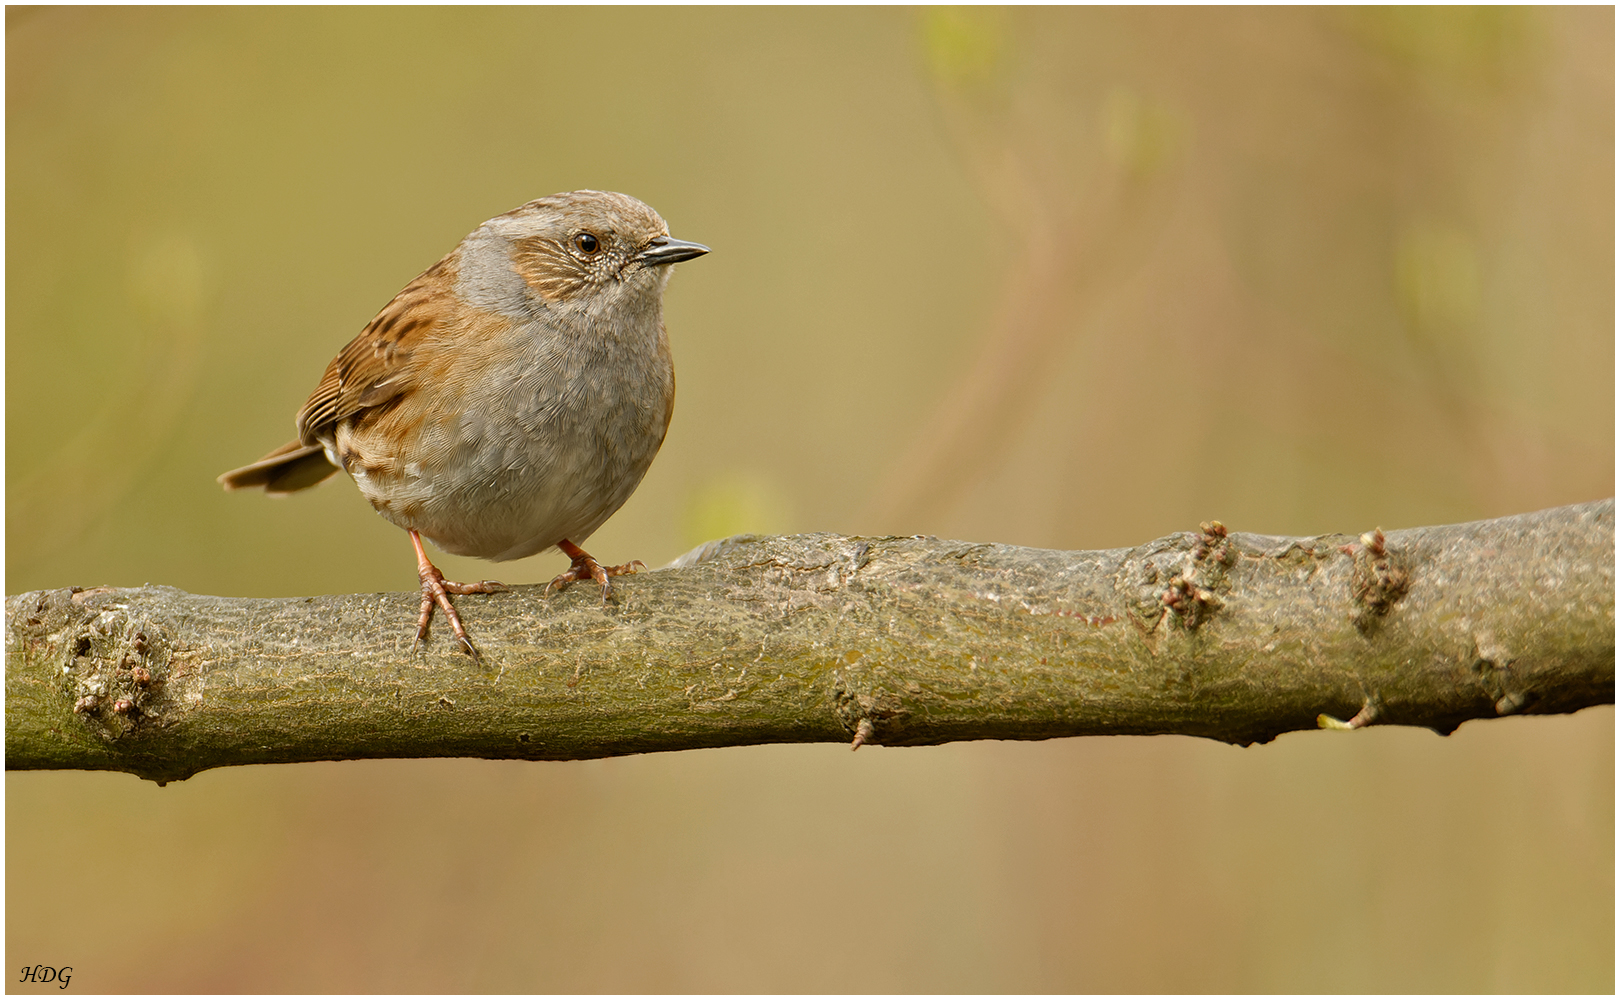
(668, 250)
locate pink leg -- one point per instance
(587, 568)
(436, 590)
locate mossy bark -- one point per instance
(822, 638)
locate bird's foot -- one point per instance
(587, 568)
(436, 591)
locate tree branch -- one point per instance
(818, 638)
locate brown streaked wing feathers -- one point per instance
(370, 371)
(373, 369)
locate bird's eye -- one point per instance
(587, 243)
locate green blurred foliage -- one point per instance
(1480, 46)
(1139, 135)
(735, 503)
(1437, 277)
(1063, 277)
(964, 46)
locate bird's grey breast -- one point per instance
(572, 405)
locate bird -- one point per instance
(507, 400)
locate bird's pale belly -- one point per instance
(504, 481)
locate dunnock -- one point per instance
(510, 398)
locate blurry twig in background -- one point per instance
(1360, 225)
(1075, 219)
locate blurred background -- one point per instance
(1065, 278)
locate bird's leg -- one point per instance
(436, 590)
(586, 568)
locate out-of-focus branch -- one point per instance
(819, 638)
(1075, 219)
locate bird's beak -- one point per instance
(668, 250)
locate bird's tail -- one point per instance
(292, 467)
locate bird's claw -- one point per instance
(585, 567)
(436, 591)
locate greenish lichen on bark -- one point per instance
(823, 638)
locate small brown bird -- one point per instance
(507, 400)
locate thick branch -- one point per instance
(818, 638)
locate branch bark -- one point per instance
(819, 638)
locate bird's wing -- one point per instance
(374, 368)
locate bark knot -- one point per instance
(1191, 595)
(1380, 578)
(866, 711)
